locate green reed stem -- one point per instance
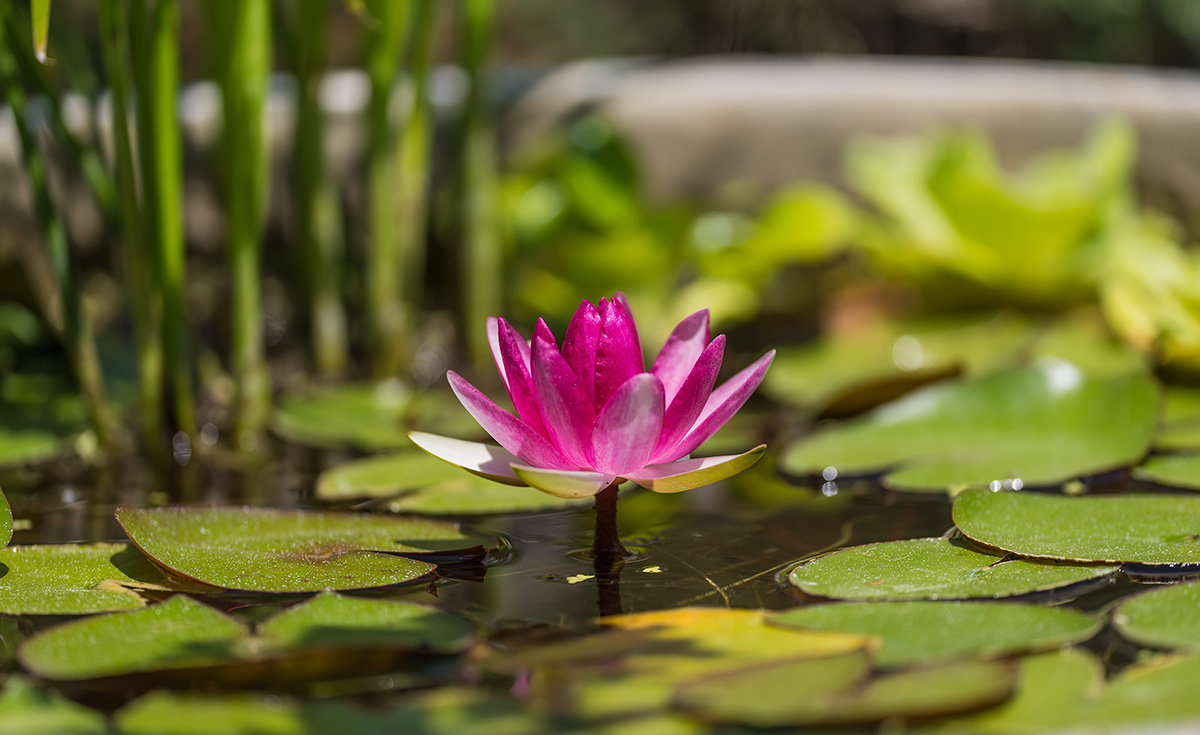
(388, 323)
(246, 28)
(143, 296)
(314, 195)
(155, 48)
(72, 320)
(482, 257)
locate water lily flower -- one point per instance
(589, 415)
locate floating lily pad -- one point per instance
(1143, 529)
(326, 636)
(368, 416)
(175, 713)
(431, 486)
(930, 569)
(840, 691)
(1162, 618)
(918, 632)
(331, 620)
(1181, 418)
(26, 709)
(1159, 690)
(177, 634)
(6, 520)
(279, 551)
(1040, 424)
(1173, 470)
(72, 580)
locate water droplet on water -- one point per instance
(829, 474)
(209, 434)
(181, 447)
(995, 486)
(829, 489)
(907, 353)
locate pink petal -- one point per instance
(508, 430)
(618, 352)
(563, 483)
(689, 401)
(686, 474)
(679, 354)
(493, 336)
(579, 346)
(514, 355)
(723, 404)
(628, 426)
(485, 460)
(567, 415)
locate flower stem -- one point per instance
(608, 555)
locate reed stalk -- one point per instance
(388, 324)
(482, 260)
(317, 210)
(70, 317)
(245, 29)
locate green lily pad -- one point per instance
(923, 631)
(371, 416)
(1142, 529)
(72, 580)
(1162, 618)
(1181, 418)
(279, 551)
(324, 637)
(177, 634)
(6, 520)
(930, 569)
(332, 620)
(1051, 695)
(1173, 470)
(430, 486)
(1158, 690)
(1037, 425)
(840, 691)
(26, 709)
(174, 713)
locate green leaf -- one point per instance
(176, 713)
(32, 433)
(1158, 690)
(371, 416)
(280, 551)
(39, 19)
(177, 634)
(930, 569)
(919, 632)
(6, 520)
(1161, 618)
(26, 709)
(1040, 424)
(72, 580)
(1143, 529)
(1181, 418)
(430, 486)
(840, 691)
(1172, 470)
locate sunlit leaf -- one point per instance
(72, 580)
(1144, 529)
(366, 416)
(26, 709)
(264, 550)
(39, 17)
(840, 691)
(1162, 618)
(917, 632)
(930, 569)
(1040, 424)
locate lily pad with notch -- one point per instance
(1143, 529)
(932, 569)
(182, 639)
(842, 691)
(259, 550)
(421, 483)
(68, 579)
(920, 632)
(1036, 425)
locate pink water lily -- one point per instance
(589, 415)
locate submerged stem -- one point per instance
(608, 555)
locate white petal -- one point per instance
(485, 460)
(685, 474)
(564, 483)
